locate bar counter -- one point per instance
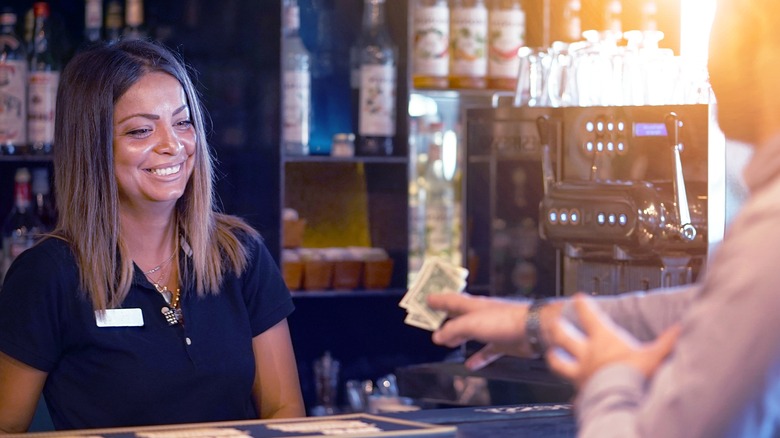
(508, 421)
(548, 420)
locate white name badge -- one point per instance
(119, 318)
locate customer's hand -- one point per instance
(500, 324)
(602, 343)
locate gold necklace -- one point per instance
(160, 266)
(172, 314)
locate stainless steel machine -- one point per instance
(623, 197)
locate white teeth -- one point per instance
(166, 170)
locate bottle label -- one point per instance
(431, 41)
(93, 14)
(292, 20)
(507, 35)
(22, 195)
(13, 102)
(42, 96)
(469, 42)
(377, 100)
(296, 107)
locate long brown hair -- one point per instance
(86, 189)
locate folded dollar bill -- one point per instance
(436, 276)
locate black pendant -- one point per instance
(172, 316)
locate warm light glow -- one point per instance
(449, 154)
(695, 23)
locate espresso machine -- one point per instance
(600, 199)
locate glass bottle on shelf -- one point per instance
(296, 84)
(21, 227)
(439, 196)
(134, 20)
(507, 34)
(13, 87)
(43, 204)
(330, 95)
(431, 41)
(42, 83)
(468, 43)
(374, 74)
(93, 20)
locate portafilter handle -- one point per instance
(548, 177)
(687, 230)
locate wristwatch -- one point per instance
(533, 328)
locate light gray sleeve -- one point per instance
(643, 314)
(721, 380)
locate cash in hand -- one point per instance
(436, 276)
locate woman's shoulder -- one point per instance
(49, 260)
(49, 247)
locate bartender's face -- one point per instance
(154, 142)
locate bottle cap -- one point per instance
(343, 144)
(41, 9)
(22, 175)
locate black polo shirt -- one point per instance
(198, 371)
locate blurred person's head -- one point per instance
(744, 61)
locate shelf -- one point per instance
(26, 158)
(357, 159)
(360, 293)
(459, 93)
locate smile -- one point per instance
(164, 171)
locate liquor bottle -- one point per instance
(296, 84)
(507, 34)
(330, 82)
(43, 203)
(21, 227)
(42, 83)
(431, 39)
(439, 197)
(468, 41)
(13, 88)
(134, 20)
(374, 58)
(93, 20)
(114, 20)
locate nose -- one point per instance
(169, 141)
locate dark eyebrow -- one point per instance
(152, 116)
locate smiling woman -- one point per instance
(147, 288)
